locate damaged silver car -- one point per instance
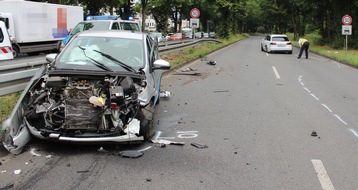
(103, 87)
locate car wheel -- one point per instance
(266, 49)
(15, 51)
(262, 49)
(146, 116)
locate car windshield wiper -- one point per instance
(120, 63)
(95, 62)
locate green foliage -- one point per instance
(261, 30)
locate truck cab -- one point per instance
(5, 43)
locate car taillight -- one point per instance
(288, 43)
(273, 43)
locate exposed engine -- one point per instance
(75, 105)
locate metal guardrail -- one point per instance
(14, 78)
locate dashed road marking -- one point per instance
(276, 73)
(322, 175)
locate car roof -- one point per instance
(278, 35)
(114, 33)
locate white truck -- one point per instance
(38, 27)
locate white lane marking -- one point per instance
(276, 73)
(322, 175)
(340, 119)
(314, 96)
(354, 132)
(307, 89)
(324, 105)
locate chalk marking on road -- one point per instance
(187, 134)
(267, 54)
(354, 132)
(302, 84)
(276, 73)
(314, 96)
(324, 105)
(157, 136)
(307, 89)
(322, 175)
(340, 119)
(144, 149)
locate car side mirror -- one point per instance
(51, 57)
(161, 64)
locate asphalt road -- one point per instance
(255, 112)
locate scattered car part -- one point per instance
(200, 146)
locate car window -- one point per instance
(82, 49)
(129, 26)
(1, 36)
(115, 26)
(280, 39)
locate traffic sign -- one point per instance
(347, 20)
(194, 13)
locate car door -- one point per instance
(155, 74)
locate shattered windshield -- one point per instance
(118, 54)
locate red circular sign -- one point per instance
(347, 20)
(195, 13)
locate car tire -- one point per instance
(262, 49)
(146, 116)
(15, 51)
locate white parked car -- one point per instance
(276, 43)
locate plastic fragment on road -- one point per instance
(49, 156)
(32, 151)
(314, 134)
(17, 171)
(101, 149)
(83, 171)
(188, 69)
(211, 62)
(164, 94)
(131, 154)
(167, 142)
(200, 146)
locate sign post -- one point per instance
(347, 27)
(194, 21)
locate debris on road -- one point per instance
(211, 62)
(148, 179)
(188, 69)
(49, 156)
(167, 142)
(185, 73)
(83, 171)
(217, 91)
(200, 146)
(32, 151)
(17, 171)
(164, 94)
(131, 154)
(3, 171)
(314, 134)
(101, 149)
(8, 186)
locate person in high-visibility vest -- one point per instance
(304, 45)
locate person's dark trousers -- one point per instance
(305, 47)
